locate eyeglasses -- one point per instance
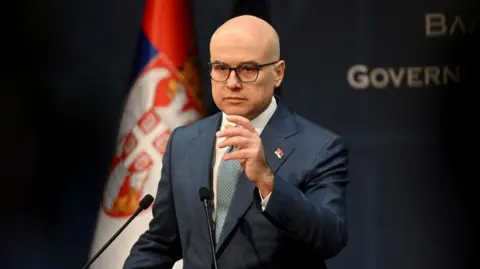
(245, 72)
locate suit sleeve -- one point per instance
(314, 213)
(159, 247)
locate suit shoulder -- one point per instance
(188, 131)
(310, 128)
(311, 131)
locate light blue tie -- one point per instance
(228, 173)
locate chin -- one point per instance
(235, 110)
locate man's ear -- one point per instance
(279, 72)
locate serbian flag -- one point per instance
(163, 96)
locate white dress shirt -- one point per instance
(259, 124)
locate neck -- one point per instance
(258, 112)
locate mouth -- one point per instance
(235, 98)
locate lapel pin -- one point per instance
(279, 153)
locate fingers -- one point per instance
(237, 141)
(241, 154)
(234, 131)
(242, 136)
(242, 121)
(230, 126)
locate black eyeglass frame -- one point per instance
(257, 66)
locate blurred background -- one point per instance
(395, 78)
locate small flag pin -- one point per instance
(279, 153)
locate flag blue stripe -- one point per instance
(145, 52)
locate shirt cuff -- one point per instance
(264, 200)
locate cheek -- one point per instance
(264, 83)
(255, 93)
(216, 90)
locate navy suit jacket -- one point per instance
(303, 224)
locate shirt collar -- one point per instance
(260, 121)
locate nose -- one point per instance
(232, 81)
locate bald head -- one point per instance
(242, 44)
(248, 31)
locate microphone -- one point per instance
(142, 205)
(205, 196)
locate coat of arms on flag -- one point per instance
(164, 95)
(164, 104)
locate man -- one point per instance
(278, 180)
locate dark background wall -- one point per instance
(65, 74)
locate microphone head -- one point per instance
(146, 201)
(205, 194)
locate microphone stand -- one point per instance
(210, 232)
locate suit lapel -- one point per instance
(200, 164)
(280, 126)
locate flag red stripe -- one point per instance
(167, 24)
